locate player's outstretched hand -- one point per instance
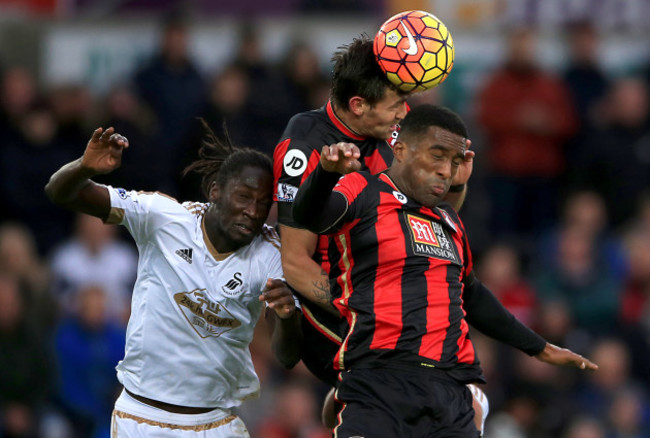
(279, 298)
(466, 167)
(341, 158)
(103, 153)
(562, 356)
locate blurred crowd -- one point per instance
(558, 213)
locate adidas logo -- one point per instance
(186, 254)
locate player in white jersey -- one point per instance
(204, 272)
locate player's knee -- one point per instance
(328, 415)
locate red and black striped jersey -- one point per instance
(397, 271)
(298, 153)
(295, 158)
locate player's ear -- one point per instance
(214, 192)
(399, 149)
(357, 105)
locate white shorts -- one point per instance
(134, 419)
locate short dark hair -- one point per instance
(220, 161)
(356, 73)
(421, 117)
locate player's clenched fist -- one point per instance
(279, 298)
(103, 153)
(341, 158)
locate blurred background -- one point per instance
(556, 94)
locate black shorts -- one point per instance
(319, 345)
(389, 403)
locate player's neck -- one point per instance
(216, 239)
(347, 118)
(395, 175)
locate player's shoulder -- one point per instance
(268, 239)
(355, 182)
(195, 208)
(305, 125)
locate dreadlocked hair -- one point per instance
(219, 160)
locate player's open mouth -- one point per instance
(244, 229)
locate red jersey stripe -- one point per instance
(354, 185)
(437, 313)
(466, 353)
(388, 306)
(278, 158)
(314, 158)
(375, 162)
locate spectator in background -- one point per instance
(527, 115)
(303, 80)
(500, 271)
(170, 84)
(95, 257)
(585, 427)
(582, 280)
(88, 346)
(615, 160)
(294, 415)
(128, 115)
(585, 79)
(635, 297)
(19, 260)
(26, 364)
(584, 210)
(71, 106)
(26, 161)
(628, 414)
(17, 95)
(597, 392)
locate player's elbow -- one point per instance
(52, 194)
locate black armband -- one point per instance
(457, 188)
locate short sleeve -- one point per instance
(140, 212)
(293, 162)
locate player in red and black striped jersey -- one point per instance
(401, 274)
(364, 109)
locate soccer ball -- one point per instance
(415, 50)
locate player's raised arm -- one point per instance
(489, 316)
(71, 187)
(316, 206)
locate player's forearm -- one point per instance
(456, 196)
(316, 206)
(286, 339)
(489, 316)
(310, 280)
(66, 183)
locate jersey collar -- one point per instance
(436, 212)
(339, 123)
(218, 256)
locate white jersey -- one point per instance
(193, 310)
